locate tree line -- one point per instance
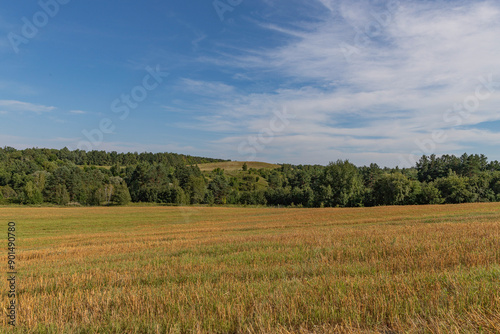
(64, 177)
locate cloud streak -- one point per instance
(19, 106)
(77, 112)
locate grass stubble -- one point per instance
(419, 269)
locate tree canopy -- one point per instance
(62, 177)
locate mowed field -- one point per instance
(425, 269)
(235, 165)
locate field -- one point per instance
(235, 165)
(426, 269)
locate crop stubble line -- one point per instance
(305, 275)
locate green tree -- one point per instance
(31, 194)
(430, 194)
(495, 184)
(61, 195)
(8, 193)
(345, 183)
(195, 189)
(115, 170)
(275, 179)
(121, 194)
(479, 184)
(179, 196)
(209, 198)
(219, 187)
(455, 189)
(392, 189)
(94, 186)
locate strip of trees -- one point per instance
(62, 177)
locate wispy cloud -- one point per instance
(412, 63)
(77, 112)
(425, 59)
(205, 88)
(19, 106)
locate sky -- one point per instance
(281, 81)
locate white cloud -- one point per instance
(77, 112)
(19, 106)
(396, 89)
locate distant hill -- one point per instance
(98, 158)
(235, 165)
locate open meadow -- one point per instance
(134, 269)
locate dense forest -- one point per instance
(64, 177)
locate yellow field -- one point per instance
(235, 165)
(425, 269)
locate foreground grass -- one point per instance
(425, 269)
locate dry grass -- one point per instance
(426, 269)
(235, 165)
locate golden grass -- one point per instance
(422, 269)
(235, 165)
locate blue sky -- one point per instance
(301, 82)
